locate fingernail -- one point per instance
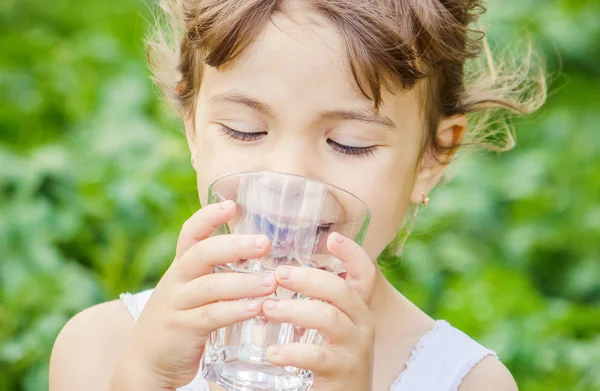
(252, 305)
(284, 272)
(270, 304)
(273, 350)
(226, 205)
(338, 238)
(260, 242)
(268, 280)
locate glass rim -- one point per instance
(279, 173)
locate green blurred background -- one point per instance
(95, 183)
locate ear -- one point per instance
(450, 132)
(190, 135)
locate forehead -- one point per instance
(300, 60)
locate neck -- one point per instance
(393, 312)
(385, 300)
(399, 325)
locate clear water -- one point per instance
(235, 356)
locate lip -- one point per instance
(278, 219)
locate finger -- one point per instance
(202, 224)
(360, 269)
(322, 285)
(206, 319)
(224, 286)
(334, 325)
(317, 358)
(202, 258)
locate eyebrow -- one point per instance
(362, 115)
(237, 98)
(369, 115)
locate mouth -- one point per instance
(290, 237)
(269, 225)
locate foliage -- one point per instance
(95, 182)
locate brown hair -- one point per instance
(386, 40)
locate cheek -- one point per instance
(387, 192)
(388, 206)
(214, 158)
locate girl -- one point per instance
(366, 95)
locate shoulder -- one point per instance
(490, 374)
(88, 346)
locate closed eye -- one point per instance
(242, 136)
(347, 150)
(357, 152)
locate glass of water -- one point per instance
(297, 214)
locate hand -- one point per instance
(190, 302)
(344, 360)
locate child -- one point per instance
(367, 95)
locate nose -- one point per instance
(290, 155)
(295, 157)
(286, 198)
(289, 187)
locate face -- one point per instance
(288, 103)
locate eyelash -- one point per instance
(357, 152)
(346, 150)
(242, 136)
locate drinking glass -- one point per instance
(297, 214)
